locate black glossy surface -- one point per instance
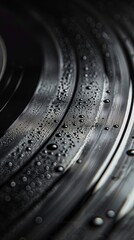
(66, 100)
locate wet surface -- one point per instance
(66, 116)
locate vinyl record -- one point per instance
(66, 120)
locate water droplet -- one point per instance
(79, 161)
(130, 152)
(39, 183)
(81, 116)
(48, 176)
(28, 149)
(60, 169)
(88, 87)
(110, 213)
(64, 125)
(46, 168)
(106, 101)
(38, 163)
(24, 179)
(44, 151)
(86, 68)
(58, 135)
(58, 155)
(52, 146)
(116, 126)
(38, 220)
(98, 221)
(10, 164)
(21, 155)
(13, 184)
(84, 58)
(86, 75)
(28, 172)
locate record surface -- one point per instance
(66, 120)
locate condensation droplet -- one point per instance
(58, 135)
(13, 184)
(79, 161)
(106, 101)
(130, 152)
(88, 87)
(38, 163)
(24, 179)
(64, 125)
(116, 126)
(28, 149)
(52, 146)
(110, 213)
(59, 169)
(48, 176)
(30, 141)
(81, 116)
(98, 221)
(84, 58)
(10, 164)
(86, 68)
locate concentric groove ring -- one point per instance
(66, 115)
